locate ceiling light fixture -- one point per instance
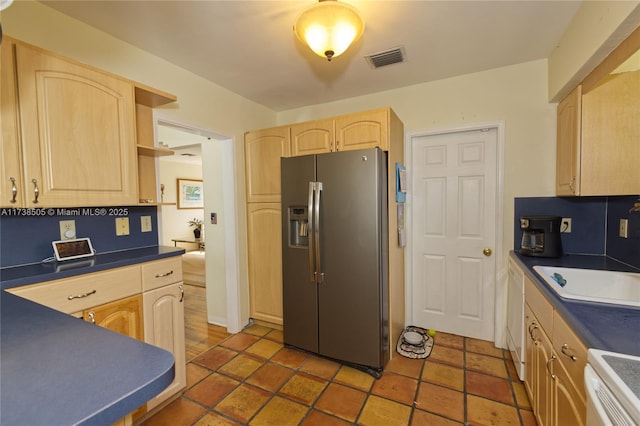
(329, 28)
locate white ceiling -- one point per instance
(249, 47)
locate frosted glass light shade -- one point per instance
(329, 28)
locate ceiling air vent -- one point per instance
(387, 57)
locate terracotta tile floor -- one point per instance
(251, 378)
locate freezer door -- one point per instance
(353, 222)
(300, 299)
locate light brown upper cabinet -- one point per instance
(263, 150)
(313, 137)
(599, 128)
(362, 130)
(76, 135)
(568, 144)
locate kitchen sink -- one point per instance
(620, 288)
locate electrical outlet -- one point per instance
(122, 226)
(145, 224)
(67, 229)
(624, 231)
(565, 225)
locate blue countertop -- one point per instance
(38, 272)
(58, 370)
(598, 325)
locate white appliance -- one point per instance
(515, 317)
(612, 382)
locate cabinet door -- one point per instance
(568, 144)
(313, 137)
(610, 135)
(537, 377)
(78, 132)
(123, 316)
(569, 407)
(10, 164)
(368, 129)
(264, 227)
(164, 327)
(263, 150)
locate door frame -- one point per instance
(234, 320)
(500, 297)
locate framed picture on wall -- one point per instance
(190, 194)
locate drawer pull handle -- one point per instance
(533, 327)
(166, 274)
(36, 191)
(564, 352)
(80, 296)
(14, 190)
(92, 317)
(181, 293)
(553, 358)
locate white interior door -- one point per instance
(454, 185)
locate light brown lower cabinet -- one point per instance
(143, 301)
(553, 366)
(264, 226)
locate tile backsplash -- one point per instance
(595, 224)
(26, 239)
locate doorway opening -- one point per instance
(205, 159)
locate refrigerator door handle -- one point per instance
(316, 211)
(312, 266)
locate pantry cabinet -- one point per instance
(554, 365)
(262, 151)
(264, 227)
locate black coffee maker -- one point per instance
(541, 236)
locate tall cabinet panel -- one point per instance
(265, 261)
(263, 149)
(77, 132)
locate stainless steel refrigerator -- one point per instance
(335, 259)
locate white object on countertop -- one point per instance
(594, 285)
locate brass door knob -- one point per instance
(487, 251)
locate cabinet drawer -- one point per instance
(159, 273)
(539, 305)
(562, 335)
(77, 293)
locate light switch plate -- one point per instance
(624, 231)
(145, 224)
(122, 226)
